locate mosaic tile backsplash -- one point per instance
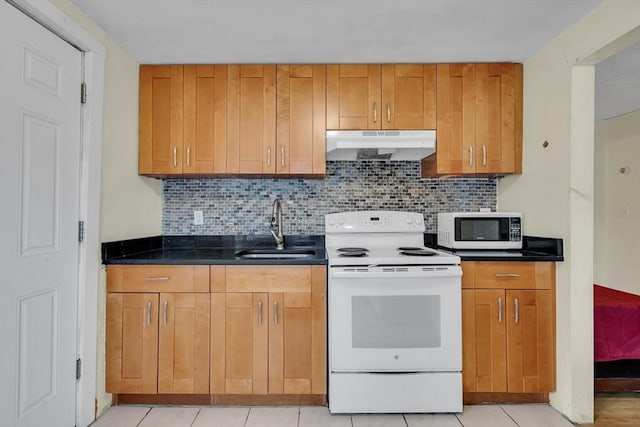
(243, 206)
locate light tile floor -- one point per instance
(529, 415)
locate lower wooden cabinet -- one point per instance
(252, 330)
(508, 327)
(157, 342)
(270, 338)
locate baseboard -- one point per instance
(475, 398)
(221, 399)
(616, 384)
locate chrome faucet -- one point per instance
(276, 222)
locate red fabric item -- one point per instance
(616, 324)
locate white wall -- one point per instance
(555, 191)
(617, 198)
(131, 206)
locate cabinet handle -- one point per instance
(275, 312)
(259, 312)
(156, 278)
(189, 156)
(517, 306)
(507, 275)
(148, 312)
(165, 306)
(484, 155)
(470, 155)
(388, 112)
(282, 156)
(499, 310)
(375, 112)
(268, 156)
(175, 157)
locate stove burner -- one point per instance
(353, 254)
(417, 252)
(410, 248)
(350, 250)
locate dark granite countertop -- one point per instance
(169, 250)
(543, 249)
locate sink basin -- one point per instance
(274, 254)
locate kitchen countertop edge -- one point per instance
(208, 250)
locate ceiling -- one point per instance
(346, 31)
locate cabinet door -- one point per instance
(251, 131)
(239, 336)
(498, 118)
(183, 363)
(132, 343)
(297, 364)
(161, 124)
(301, 142)
(354, 97)
(530, 341)
(456, 119)
(205, 119)
(484, 354)
(408, 96)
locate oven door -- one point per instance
(395, 319)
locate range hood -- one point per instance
(363, 145)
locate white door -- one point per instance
(40, 81)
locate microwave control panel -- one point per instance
(515, 233)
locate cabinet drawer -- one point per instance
(158, 278)
(254, 278)
(508, 275)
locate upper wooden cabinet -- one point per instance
(479, 120)
(232, 119)
(400, 96)
(161, 119)
(205, 119)
(301, 144)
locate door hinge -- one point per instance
(78, 368)
(83, 93)
(80, 231)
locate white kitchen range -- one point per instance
(395, 321)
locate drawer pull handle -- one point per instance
(148, 312)
(259, 312)
(517, 306)
(156, 278)
(165, 306)
(499, 310)
(507, 275)
(275, 313)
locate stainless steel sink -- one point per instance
(274, 254)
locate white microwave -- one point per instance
(480, 230)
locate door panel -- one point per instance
(354, 97)
(251, 133)
(484, 345)
(531, 342)
(132, 343)
(40, 120)
(161, 119)
(408, 96)
(205, 119)
(183, 364)
(301, 146)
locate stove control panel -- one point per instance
(374, 221)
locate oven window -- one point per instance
(407, 321)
